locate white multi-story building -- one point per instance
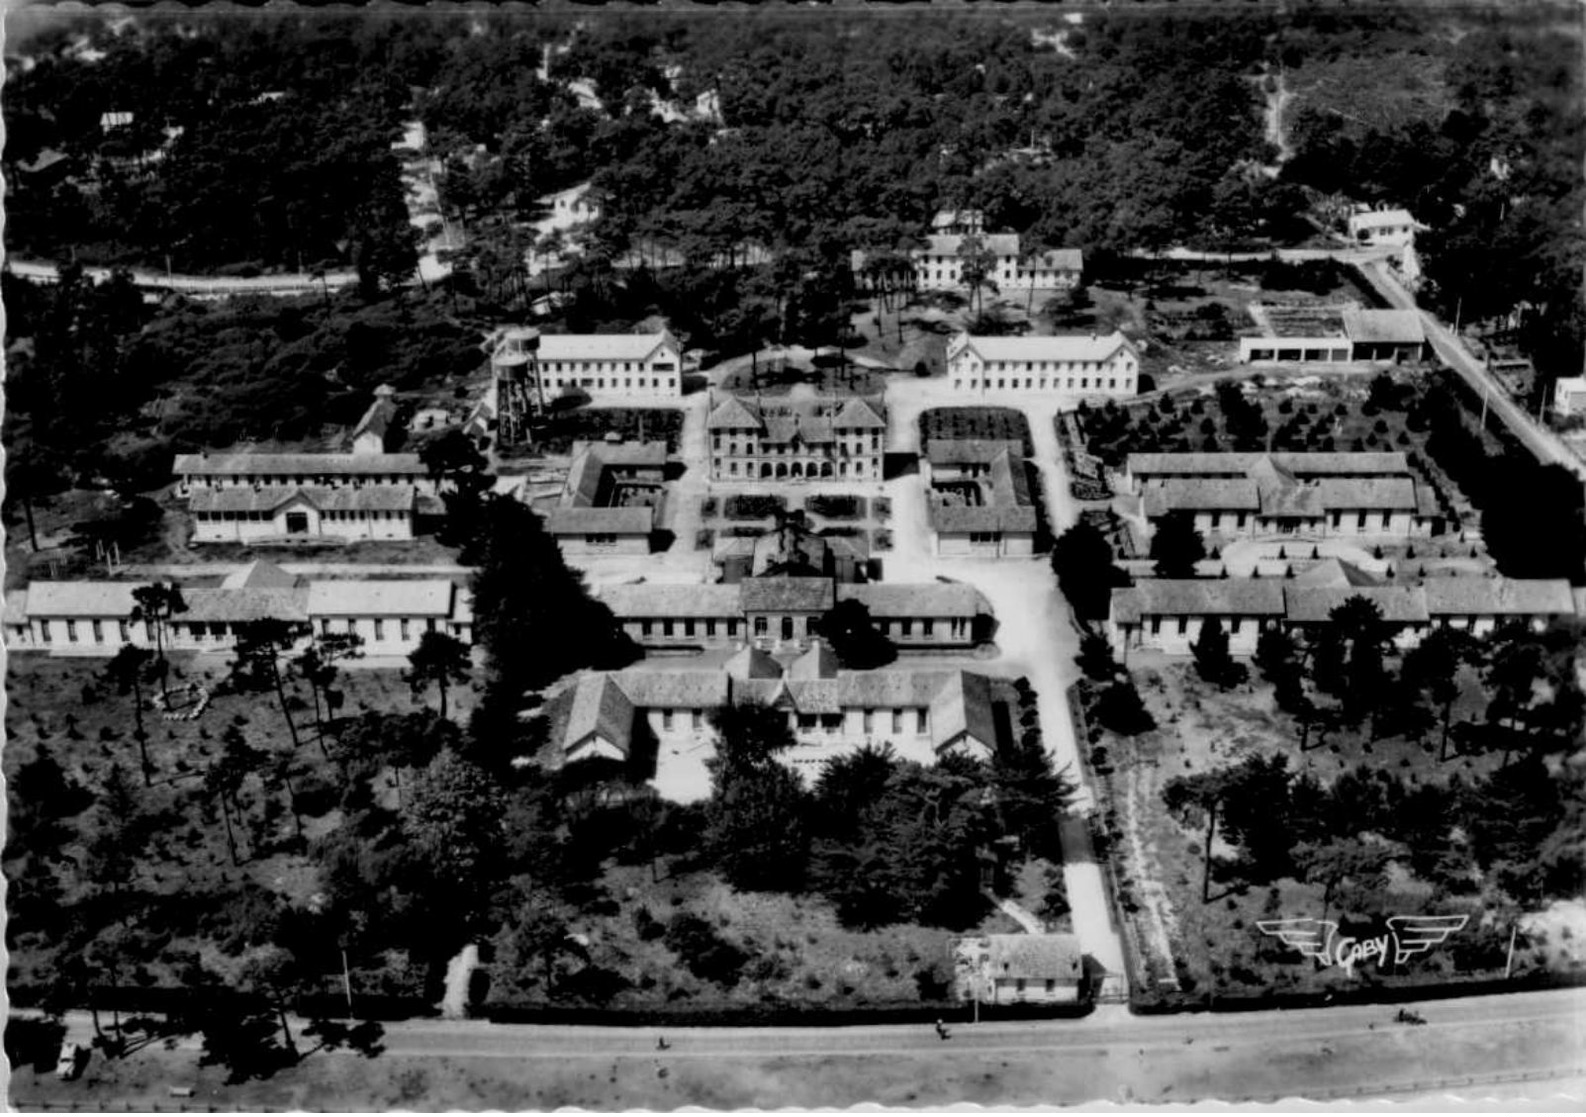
(287, 514)
(939, 266)
(599, 367)
(1082, 366)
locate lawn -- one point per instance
(968, 423)
(1205, 949)
(62, 705)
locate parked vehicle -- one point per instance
(1405, 1016)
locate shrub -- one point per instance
(647, 926)
(704, 539)
(707, 507)
(836, 507)
(707, 955)
(754, 506)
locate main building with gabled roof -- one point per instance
(793, 438)
(1079, 366)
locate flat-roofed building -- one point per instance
(1383, 227)
(1333, 335)
(1076, 366)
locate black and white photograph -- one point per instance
(794, 554)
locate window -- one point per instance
(379, 629)
(897, 721)
(908, 626)
(666, 719)
(688, 628)
(123, 632)
(921, 720)
(697, 718)
(429, 625)
(1051, 985)
(1183, 625)
(732, 626)
(1360, 521)
(645, 627)
(760, 626)
(869, 720)
(927, 628)
(71, 631)
(405, 628)
(1156, 626)
(710, 628)
(666, 628)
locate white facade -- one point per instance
(238, 515)
(1075, 366)
(940, 267)
(1382, 227)
(603, 367)
(1569, 395)
(359, 469)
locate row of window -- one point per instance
(1234, 625)
(695, 719)
(330, 481)
(607, 366)
(782, 449)
(781, 469)
(1242, 519)
(1040, 383)
(1038, 366)
(599, 382)
(728, 626)
(203, 630)
(333, 516)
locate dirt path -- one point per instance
(454, 1005)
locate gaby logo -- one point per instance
(1407, 936)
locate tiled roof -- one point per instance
(1490, 597)
(667, 600)
(674, 690)
(268, 498)
(1399, 326)
(1006, 503)
(607, 521)
(925, 599)
(259, 575)
(816, 696)
(858, 414)
(377, 420)
(752, 663)
(1034, 957)
(893, 690)
(820, 662)
(783, 595)
(814, 420)
(1199, 493)
(970, 451)
(1062, 347)
(1334, 572)
(390, 597)
(733, 413)
(964, 706)
(297, 465)
(81, 599)
(948, 244)
(237, 606)
(1315, 604)
(601, 347)
(1389, 493)
(1195, 597)
(648, 453)
(1392, 463)
(599, 707)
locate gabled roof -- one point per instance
(926, 599)
(430, 597)
(296, 465)
(790, 595)
(269, 498)
(600, 708)
(949, 244)
(602, 347)
(81, 599)
(1193, 494)
(1034, 957)
(820, 662)
(1321, 464)
(377, 420)
(662, 599)
(857, 414)
(749, 662)
(637, 520)
(1315, 604)
(964, 708)
(1335, 572)
(1063, 347)
(1388, 493)
(259, 574)
(1380, 218)
(674, 690)
(239, 606)
(733, 412)
(1494, 597)
(1194, 597)
(970, 451)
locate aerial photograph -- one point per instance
(764, 554)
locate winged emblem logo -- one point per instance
(1406, 936)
